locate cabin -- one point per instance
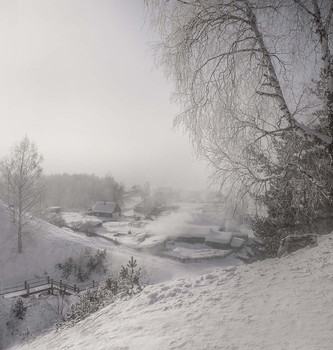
(226, 240)
(55, 210)
(109, 210)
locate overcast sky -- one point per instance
(78, 78)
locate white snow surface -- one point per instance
(219, 237)
(48, 245)
(273, 304)
(236, 242)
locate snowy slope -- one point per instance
(274, 304)
(44, 247)
(48, 245)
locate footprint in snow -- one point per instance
(165, 288)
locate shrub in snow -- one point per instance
(20, 309)
(89, 302)
(111, 284)
(56, 220)
(299, 189)
(269, 238)
(127, 283)
(59, 305)
(291, 243)
(82, 274)
(130, 277)
(84, 264)
(87, 227)
(67, 267)
(27, 336)
(96, 262)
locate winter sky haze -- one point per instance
(77, 77)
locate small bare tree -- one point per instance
(21, 174)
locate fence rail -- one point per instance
(39, 285)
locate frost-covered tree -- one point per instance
(244, 73)
(21, 173)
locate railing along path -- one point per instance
(44, 284)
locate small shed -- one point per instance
(55, 210)
(219, 240)
(107, 210)
(226, 240)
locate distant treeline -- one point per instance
(80, 191)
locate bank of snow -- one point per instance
(273, 304)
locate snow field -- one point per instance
(273, 304)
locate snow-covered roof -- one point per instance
(152, 242)
(104, 207)
(219, 237)
(236, 242)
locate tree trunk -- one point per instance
(19, 239)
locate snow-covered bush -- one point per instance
(55, 220)
(27, 336)
(269, 238)
(127, 283)
(83, 265)
(129, 278)
(20, 309)
(96, 262)
(67, 267)
(59, 305)
(292, 243)
(89, 302)
(87, 227)
(111, 284)
(295, 201)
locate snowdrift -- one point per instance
(274, 304)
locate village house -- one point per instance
(109, 210)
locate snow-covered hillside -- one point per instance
(48, 245)
(273, 304)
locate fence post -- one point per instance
(64, 289)
(52, 286)
(93, 283)
(48, 279)
(25, 284)
(28, 290)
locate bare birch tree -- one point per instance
(21, 173)
(244, 73)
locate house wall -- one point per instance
(115, 216)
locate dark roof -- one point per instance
(104, 207)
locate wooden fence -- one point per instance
(45, 284)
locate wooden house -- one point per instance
(109, 210)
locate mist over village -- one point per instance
(166, 174)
